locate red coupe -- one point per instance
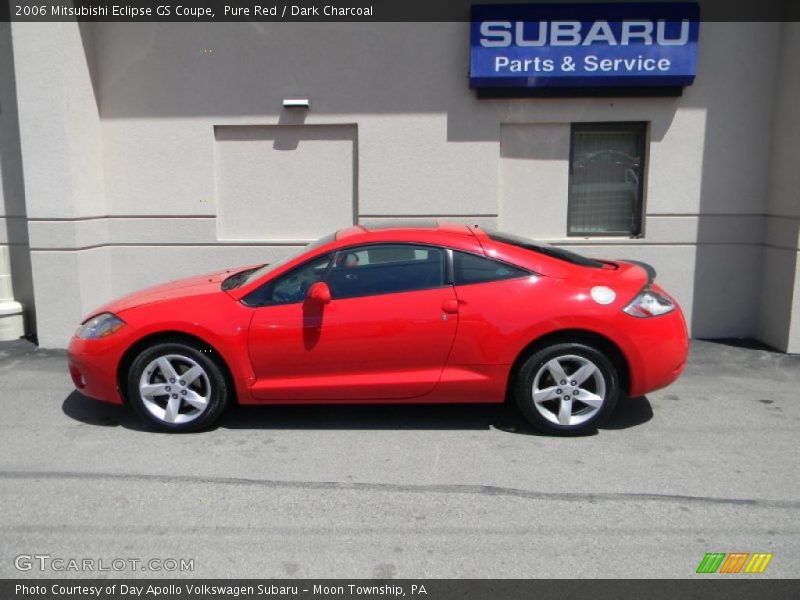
(431, 313)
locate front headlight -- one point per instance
(649, 304)
(100, 326)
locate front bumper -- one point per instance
(93, 367)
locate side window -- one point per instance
(385, 269)
(468, 268)
(290, 287)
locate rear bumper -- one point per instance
(659, 355)
(93, 368)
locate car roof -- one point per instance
(453, 235)
(392, 228)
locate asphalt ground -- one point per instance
(708, 465)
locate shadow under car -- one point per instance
(503, 417)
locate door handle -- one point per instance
(450, 307)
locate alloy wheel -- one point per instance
(568, 390)
(175, 389)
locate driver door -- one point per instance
(386, 334)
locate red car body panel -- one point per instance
(211, 316)
(352, 349)
(456, 343)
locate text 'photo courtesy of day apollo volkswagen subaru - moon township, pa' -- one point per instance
(434, 313)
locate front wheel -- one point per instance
(567, 389)
(176, 387)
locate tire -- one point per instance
(540, 393)
(190, 396)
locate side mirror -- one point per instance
(319, 293)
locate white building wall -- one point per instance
(780, 290)
(150, 96)
(60, 138)
(13, 226)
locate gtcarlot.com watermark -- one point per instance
(60, 564)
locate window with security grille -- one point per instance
(606, 179)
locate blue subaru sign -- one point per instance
(587, 45)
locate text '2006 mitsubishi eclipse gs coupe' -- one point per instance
(433, 313)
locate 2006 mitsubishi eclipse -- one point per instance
(434, 313)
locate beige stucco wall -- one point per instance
(121, 125)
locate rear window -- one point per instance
(468, 268)
(541, 248)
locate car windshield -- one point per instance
(541, 248)
(249, 275)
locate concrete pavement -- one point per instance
(707, 465)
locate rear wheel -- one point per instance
(567, 389)
(176, 387)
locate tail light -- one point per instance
(649, 303)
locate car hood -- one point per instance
(181, 288)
